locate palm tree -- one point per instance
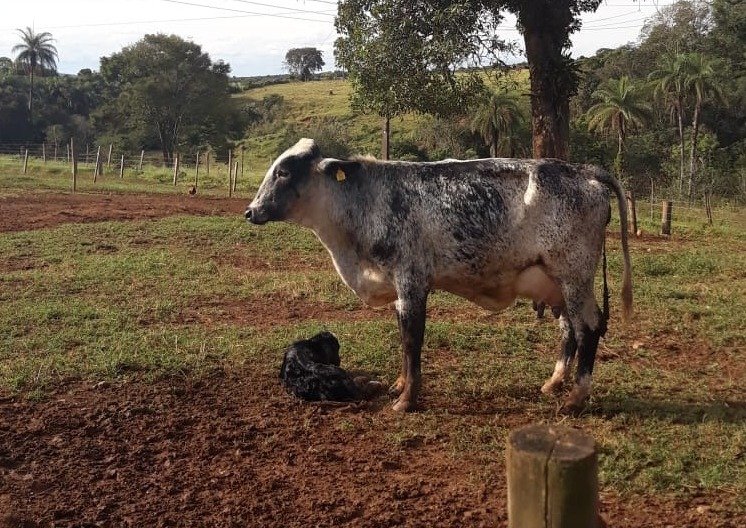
(36, 51)
(700, 81)
(496, 121)
(669, 85)
(621, 108)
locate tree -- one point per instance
(303, 62)
(167, 86)
(35, 51)
(456, 29)
(669, 86)
(6, 66)
(496, 121)
(402, 56)
(622, 106)
(700, 81)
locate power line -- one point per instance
(276, 15)
(326, 13)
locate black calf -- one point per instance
(310, 370)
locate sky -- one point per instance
(252, 36)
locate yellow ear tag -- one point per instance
(341, 175)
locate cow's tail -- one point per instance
(611, 182)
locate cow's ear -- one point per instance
(339, 169)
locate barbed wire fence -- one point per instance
(99, 160)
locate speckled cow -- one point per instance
(488, 230)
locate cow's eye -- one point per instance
(282, 173)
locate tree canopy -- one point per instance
(303, 62)
(165, 85)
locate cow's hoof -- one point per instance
(396, 389)
(551, 387)
(402, 405)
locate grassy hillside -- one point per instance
(320, 107)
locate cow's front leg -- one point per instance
(410, 312)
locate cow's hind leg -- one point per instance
(410, 311)
(564, 363)
(585, 318)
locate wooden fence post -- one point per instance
(242, 158)
(108, 158)
(196, 170)
(68, 152)
(97, 168)
(87, 151)
(666, 217)
(55, 151)
(230, 173)
(25, 161)
(142, 155)
(74, 165)
(44, 152)
(207, 164)
(552, 478)
(176, 167)
(631, 207)
(121, 168)
(235, 175)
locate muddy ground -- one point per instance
(232, 449)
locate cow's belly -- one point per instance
(498, 291)
(368, 282)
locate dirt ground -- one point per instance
(232, 449)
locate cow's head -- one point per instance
(284, 183)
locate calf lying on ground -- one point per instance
(488, 230)
(310, 370)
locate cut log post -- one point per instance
(631, 207)
(44, 152)
(87, 153)
(74, 165)
(207, 164)
(142, 155)
(68, 152)
(242, 159)
(121, 168)
(25, 161)
(108, 158)
(176, 167)
(55, 151)
(552, 476)
(666, 213)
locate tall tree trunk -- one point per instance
(693, 152)
(386, 139)
(31, 95)
(680, 119)
(551, 85)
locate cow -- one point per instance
(488, 230)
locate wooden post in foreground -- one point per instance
(552, 478)
(142, 155)
(121, 168)
(108, 158)
(207, 164)
(631, 207)
(74, 165)
(44, 152)
(25, 161)
(666, 217)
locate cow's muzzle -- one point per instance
(255, 216)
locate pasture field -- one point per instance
(141, 336)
